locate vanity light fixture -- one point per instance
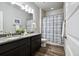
(20, 5)
(26, 8)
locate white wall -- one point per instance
(54, 12)
(10, 13)
(72, 29)
(42, 15)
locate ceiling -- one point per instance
(48, 5)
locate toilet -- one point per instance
(44, 41)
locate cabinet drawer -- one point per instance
(19, 51)
(11, 45)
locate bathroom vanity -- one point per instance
(24, 45)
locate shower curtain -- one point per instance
(52, 28)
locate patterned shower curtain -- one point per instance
(52, 28)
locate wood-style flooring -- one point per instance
(50, 50)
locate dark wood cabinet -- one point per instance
(35, 43)
(14, 48)
(28, 47)
(21, 50)
(22, 47)
(18, 51)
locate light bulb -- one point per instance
(22, 7)
(26, 8)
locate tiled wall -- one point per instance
(52, 28)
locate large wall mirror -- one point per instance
(16, 15)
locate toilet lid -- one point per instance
(44, 39)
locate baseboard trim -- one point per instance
(68, 48)
(54, 44)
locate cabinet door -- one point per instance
(28, 47)
(14, 48)
(35, 43)
(19, 51)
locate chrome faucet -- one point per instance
(9, 34)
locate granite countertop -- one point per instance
(4, 40)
